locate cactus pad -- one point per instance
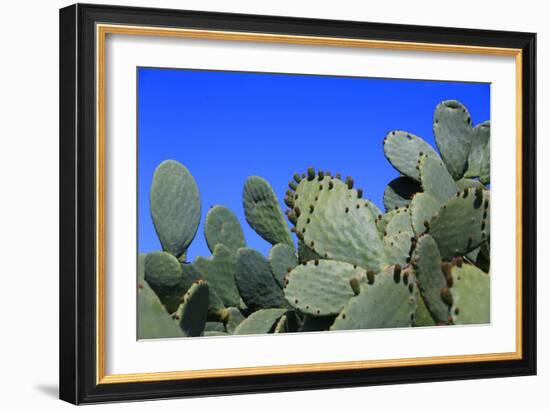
(423, 207)
(390, 302)
(400, 192)
(462, 224)
(431, 279)
(263, 213)
(162, 269)
(320, 287)
(154, 321)
(219, 271)
(221, 226)
(435, 179)
(398, 247)
(402, 150)
(282, 258)
(175, 206)
(399, 223)
(478, 152)
(260, 322)
(453, 135)
(255, 282)
(193, 310)
(164, 273)
(336, 224)
(471, 295)
(233, 319)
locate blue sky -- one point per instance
(225, 126)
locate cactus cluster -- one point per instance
(423, 261)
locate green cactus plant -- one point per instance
(425, 261)
(175, 207)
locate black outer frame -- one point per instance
(78, 204)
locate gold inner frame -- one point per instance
(101, 33)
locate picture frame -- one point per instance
(83, 214)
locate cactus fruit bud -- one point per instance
(354, 284)
(349, 182)
(359, 193)
(310, 174)
(289, 201)
(292, 185)
(397, 273)
(321, 175)
(370, 277)
(297, 211)
(292, 218)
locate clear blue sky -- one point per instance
(225, 126)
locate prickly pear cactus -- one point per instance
(425, 261)
(175, 206)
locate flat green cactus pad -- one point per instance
(423, 207)
(234, 318)
(153, 320)
(462, 224)
(162, 269)
(471, 295)
(336, 223)
(478, 152)
(485, 167)
(190, 276)
(255, 281)
(282, 258)
(219, 271)
(398, 247)
(164, 273)
(383, 220)
(431, 279)
(435, 179)
(320, 287)
(175, 206)
(400, 192)
(399, 223)
(260, 322)
(221, 226)
(263, 213)
(390, 302)
(453, 135)
(193, 310)
(402, 150)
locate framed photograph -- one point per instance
(257, 203)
